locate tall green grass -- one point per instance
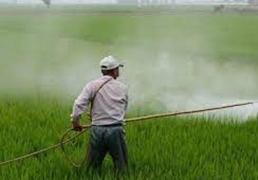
(178, 148)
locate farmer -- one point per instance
(107, 99)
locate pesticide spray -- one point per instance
(164, 72)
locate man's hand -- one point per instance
(77, 126)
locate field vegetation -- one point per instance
(34, 110)
(180, 148)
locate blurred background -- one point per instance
(133, 2)
(178, 54)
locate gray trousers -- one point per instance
(105, 140)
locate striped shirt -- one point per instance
(109, 105)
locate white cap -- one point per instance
(109, 63)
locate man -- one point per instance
(108, 100)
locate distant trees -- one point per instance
(47, 2)
(127, 1)
(253, 2)
(219, 8)
(146, 2)
(155, 2)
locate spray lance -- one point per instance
(63, 140)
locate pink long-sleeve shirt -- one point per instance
(109, 105)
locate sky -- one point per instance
(107, 1)
(59, 1)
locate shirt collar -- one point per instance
(107, 77)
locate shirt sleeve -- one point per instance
(81, 104)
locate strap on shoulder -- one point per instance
(93, 98)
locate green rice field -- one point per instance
(172, 59)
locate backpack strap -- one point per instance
(93, 98)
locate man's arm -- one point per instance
(81, 104)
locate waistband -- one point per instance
(109, 125)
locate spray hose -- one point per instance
(64, 141)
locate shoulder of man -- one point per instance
(122, 85)
(94, 84)
(90, 85)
